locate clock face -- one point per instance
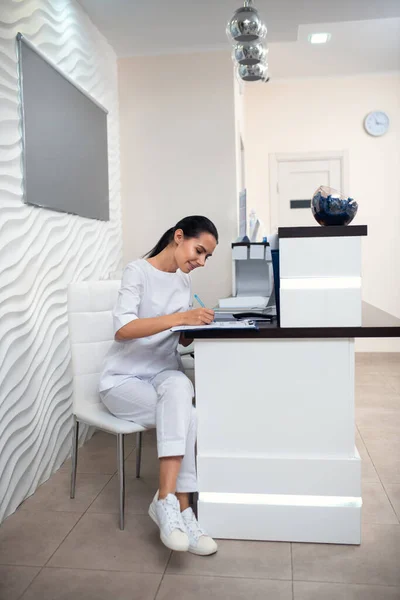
(376, 123)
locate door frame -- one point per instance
(276, 158)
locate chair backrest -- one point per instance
(115, 275)
(90, 306)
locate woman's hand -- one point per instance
(198, 316)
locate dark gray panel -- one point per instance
(65, 142)
(300, 203)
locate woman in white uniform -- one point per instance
(143, 379)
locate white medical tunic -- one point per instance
(146, 292)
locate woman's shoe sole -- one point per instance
(194, 551)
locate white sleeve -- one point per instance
(191, 294)
(129, 297)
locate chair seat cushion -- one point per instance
(97, 415)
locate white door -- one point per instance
(297, 180)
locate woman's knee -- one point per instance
(133, 400)
(178, 385)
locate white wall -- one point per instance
(41, 251)
(178, 154)
(239, 136)
(308, 115)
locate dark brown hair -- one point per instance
(191, 227)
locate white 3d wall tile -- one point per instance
(41, 251)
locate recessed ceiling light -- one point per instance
(319, 38)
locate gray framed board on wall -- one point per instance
(64, 139)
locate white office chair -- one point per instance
(90, 305)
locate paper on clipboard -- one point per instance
(218, 325)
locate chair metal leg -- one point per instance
(121, 479)
(138, 453)
(74, 457)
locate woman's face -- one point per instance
(191, 253)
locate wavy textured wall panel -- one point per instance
(41, 251)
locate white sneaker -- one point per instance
(166, 514)
(199, 541)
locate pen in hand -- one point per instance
(199, 301)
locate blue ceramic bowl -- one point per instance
(329, 207)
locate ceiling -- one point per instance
(356, 47)
(365, 33)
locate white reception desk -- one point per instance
(276, 454)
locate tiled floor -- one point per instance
(54, 548)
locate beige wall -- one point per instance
(309, 115)
(178, 154)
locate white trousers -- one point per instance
(166, 403)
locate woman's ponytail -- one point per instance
(162, 243)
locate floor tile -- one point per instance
(14, 580)
(376, 506)
(149, 463)
(385, 419)
(97, 543)
(375, 561)
(394, 382)
(384, 450)
(65, 584)
(341, 591)
(375, 381)
(99, 454)
(368, 472)
(393, 357)
(138, 495)
(393, 491)
(30, 538)
(373, 436)
(176, 587)
(96, 460)
(54, 494)
(264, 560)
(102, 439)
(365, 397)
(362, 358)
(388, 470)
(385, 362)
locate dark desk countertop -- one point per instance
(375, 323)
(318, 231)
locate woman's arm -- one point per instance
(139, 328)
